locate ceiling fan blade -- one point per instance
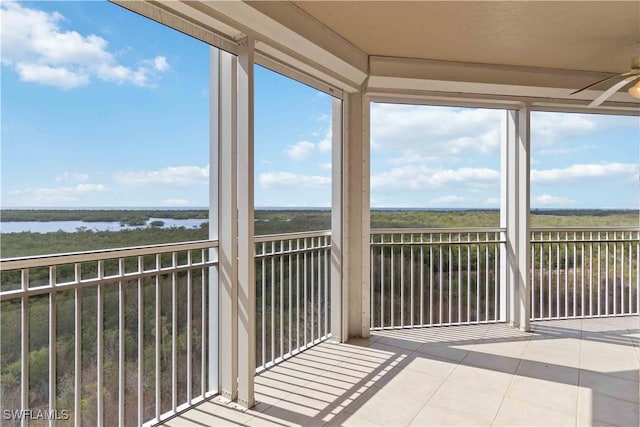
(602, 81)
(613, 89)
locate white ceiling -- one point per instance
(533, 51)
(599, 36)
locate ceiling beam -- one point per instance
(287, 29)
(407, 74)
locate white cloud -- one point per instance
(160, 63)
(300, 150)
(181, 176)
(35, 46)
(175, 202)
(291, 180)
(326, 165)
(581, 171)
(556, 128)
(67, 176)
(447, 200)
(548, 128)
(59, 77)
(420, 177)
(325, 144)
(86, 188)
(57, 195)
(413, 130)
(547, 199)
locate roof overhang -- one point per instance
(294, 43)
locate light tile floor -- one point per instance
(566, 372)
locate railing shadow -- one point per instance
(331, 383)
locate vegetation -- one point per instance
(266, 222)
(24, 244)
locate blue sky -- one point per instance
(101, 107)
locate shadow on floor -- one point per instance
(572, 372)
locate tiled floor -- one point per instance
(568, 372)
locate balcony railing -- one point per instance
(116, 334)
(427, 277)
(584, 272)
(292, 291)
(430, 277)
(79, 330)
(124, 333)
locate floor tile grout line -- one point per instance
(444, 380)
(577, 413)
(513, 375)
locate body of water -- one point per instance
(73, 226)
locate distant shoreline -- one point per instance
(296, 208)
(64, 232)
(137, 216)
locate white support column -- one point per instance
(524, 230)
(504, 185)
(246, 247)
(339, 294)
(365, 194)
(214, 144)
(356, 208)
(518, 274)
(228, 226)
(509, 216)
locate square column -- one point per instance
(516, 288)
(524, 227)
(232, 285)
(339, 290)
(246, 246)
(352, 180)
(213, 385)
(223, 169)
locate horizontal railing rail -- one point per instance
(584, 272)
(611, 228)
(291, 236)
(117, 333)
(101, 254)
(292, 290)
(428, 231)
(427, 277)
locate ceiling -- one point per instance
(503, 51)
(599, 36)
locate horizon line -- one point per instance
(284, 208)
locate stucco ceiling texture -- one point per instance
(572, 35)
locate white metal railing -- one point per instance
(293, 295)
(117, 335)
(425, 277)
(584, 272)
(123, 332)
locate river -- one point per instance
(73, 226)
